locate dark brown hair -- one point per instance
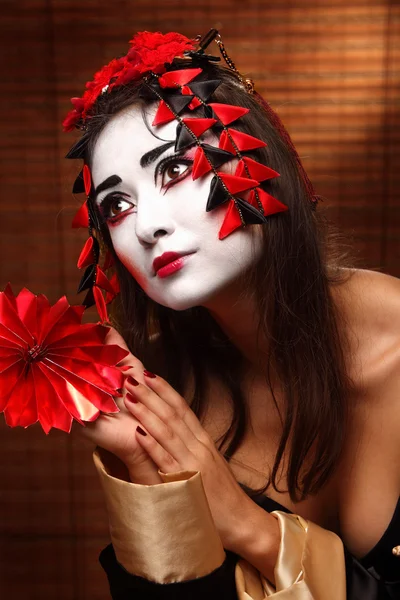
(291, 285)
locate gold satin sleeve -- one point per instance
(163, 532)
(166, 534)
(310, 565)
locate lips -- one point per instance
(167, 258)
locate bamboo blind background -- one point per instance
(330, 69)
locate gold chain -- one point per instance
(247, 83)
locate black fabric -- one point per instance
(124, 586)
(381, 557)
(367, 584)
(374, 577)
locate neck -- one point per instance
(237, 316)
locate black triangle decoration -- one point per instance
(250, 214)
(183, 138)
(79, 185)
(154, 86)
(78, 150)
(204, 89)
(87, 280)
(217, 156)
(208, 112)
(178, 103)
(89, 299)
(218, 194)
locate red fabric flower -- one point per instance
(148, 52)
(53, 369)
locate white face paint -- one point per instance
(159, 208)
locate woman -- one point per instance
(277, 367)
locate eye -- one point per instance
(174, 170)
(118, 206)
(114, 206)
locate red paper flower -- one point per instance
(53, 369)
(148, 52)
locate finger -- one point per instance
(164, 461)
(179, 405)
(166, 413)
(163, 433)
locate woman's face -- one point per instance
(152, 207)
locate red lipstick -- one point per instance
(168, 263)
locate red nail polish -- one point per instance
(132, 380)
(140, 430)
(131, 398)
(119, 390)
(148, 374)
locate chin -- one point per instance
(184, 302)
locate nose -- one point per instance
(153, 218)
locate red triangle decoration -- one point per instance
(256, 170)
(102, 281)
(87, 256)
(235, 184)
(201, 165)
(232, 221)
(195, 103)
(178, 78)
(242, 140)
(81, 219)
(163, 114)
(199, 126)
(116, 289)
(227, 113)
(87, 180)
(270, 204)
(100, 304)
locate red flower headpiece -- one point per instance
(53, 369)
(149, 52)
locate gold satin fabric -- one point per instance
(310, 565)
(148, 524)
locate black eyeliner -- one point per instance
(173, 158)
(112, 196)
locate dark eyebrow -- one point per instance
(111, 181)
(151, 156)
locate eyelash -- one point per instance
(173, 160)
(108, 201)
(161, 168)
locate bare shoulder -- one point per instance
(370, 305)
(369, 480)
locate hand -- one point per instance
(176, 441)
(116, 432)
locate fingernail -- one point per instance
(148, 374)
(140, 430)
(126, 368)
(119, 390)
(131, 398)
(132, 380)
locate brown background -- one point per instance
(330, 69)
